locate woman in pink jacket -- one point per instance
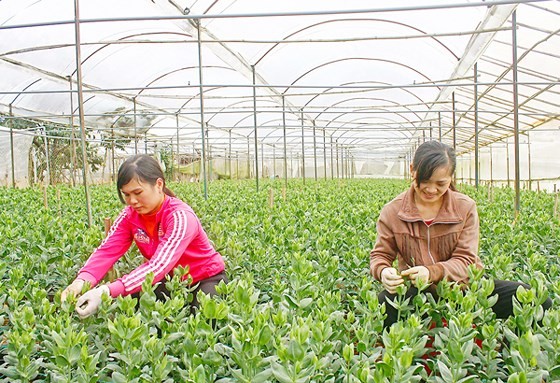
(433, 231)
(166, 231)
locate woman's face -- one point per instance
(143, 197)
(431, 191)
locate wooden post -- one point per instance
(107, 223)
(555, 202)
(284, 193)
(271, 198)
(111, 274)
(58, 200)
(45, 197)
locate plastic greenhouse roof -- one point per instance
(373, 77)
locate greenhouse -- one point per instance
(287, 127)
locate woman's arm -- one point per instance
(111, 249)
(385, 250)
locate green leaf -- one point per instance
(281, 373)
(119, 378)
(262, 376)
(295, 351)
(445, 372)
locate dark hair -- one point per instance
(142, 167)
(430, 156)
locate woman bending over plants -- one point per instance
(433, 230)
(166, 231)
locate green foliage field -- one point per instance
(300, 305)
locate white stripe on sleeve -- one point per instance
(161, 260)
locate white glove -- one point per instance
(88, 303)
(75, 288)
(417, 273)
(390, 279)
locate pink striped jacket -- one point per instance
(180, 241)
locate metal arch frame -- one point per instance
(368, 90)
(361, 118)
(242, 102)
(324, 92)
(127, 37)
(347, 130)
(250, 115)
(357, 58)
(353, 20)
(365, 98)
(327, 90)
(268, 135)
(147, 86)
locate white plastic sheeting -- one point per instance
(365, 81)
(19, 172)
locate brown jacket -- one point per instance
(446, 247)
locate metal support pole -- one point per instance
(529, 161)
(236, 165)
(229, 156)
(73, 155)
(342, 161)
(507, 162)
(47, 156)
(262, 160)
(470, 168)
(515, 109)
(491, 166)
(178, 152)
(12, 157)
(314, 151)
(113, 175)
(173, 171)
(439, 125)
(248, 157)
(285, 141)
(454, 121)
(81, 107)
(476, 148)
(332, 167)
(202, 124)
(135, 126)
(12, 148)
(255, 125)
(209, 155)
(431, 131)
(273, 161)
(325, 152)
(302, 150)
(337, 172)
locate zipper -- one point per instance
(429, 251)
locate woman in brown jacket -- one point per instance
(433, 230)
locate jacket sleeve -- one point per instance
(111, 249)
(180, 230)
(465, 254)
(385, 250)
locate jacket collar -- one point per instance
(447, 213)
(135, 217)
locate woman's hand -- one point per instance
(390, 279)
(75, 288)
(88, 303)
(417, 273)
